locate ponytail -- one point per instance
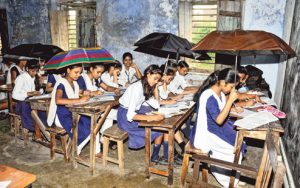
(211, 80)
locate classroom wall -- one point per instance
(291, 100)
(267, 15)
(119, 24)
(28, 21)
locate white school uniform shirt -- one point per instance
(127, 76)
(90, 84)
(178, 84)
(163, 94)
(24, 83)
(8, 79)
(133, 98)
(108, 80)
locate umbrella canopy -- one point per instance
(37, 50)
(77, 56)
(167, 45)
(244, 43)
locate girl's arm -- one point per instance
(109, 88)
(13, 76)
(63, 101)
(137, 71)
(49, 87)
(225, 112)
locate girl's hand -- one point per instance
(233, 95)
(177, 97)
(171, 102)
(258, 99)
(117, 91)
(86, 93)
(237, 110)
(157, 117)
(84, 98)
(250, 102)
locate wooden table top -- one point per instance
(168, 123)
(92, 107)
(18, 178)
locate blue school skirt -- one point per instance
(136, 134)
(65, 118)
(24, 110)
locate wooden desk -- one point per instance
(258, 133)
(170, 125)
(94, 110)
(8, 89)
(40, 129)
(18, 178)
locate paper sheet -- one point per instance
(45, 96)
(256, 120)
(4, 184)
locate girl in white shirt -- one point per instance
(24, 88)
(179, 85)
(131, 110)
(110, 77)
(130, 71)
(15, 71)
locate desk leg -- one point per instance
(75, 118)
(93, 145)
(9, 102)
(37, 131)
(171, 156)
(147, 149)
(237, 149)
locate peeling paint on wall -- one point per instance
(119, 24)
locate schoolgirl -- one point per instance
(131, 110)
(15, 70)
(66, 91)
(25, 87)
(179, 85)
(130, 71)
(213, 132)
(110, 77)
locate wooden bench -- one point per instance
(117, 135)
(16, 127)
(271, 162)
(188, 152)
(61, 134)
(18, 178)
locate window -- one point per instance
(72, 29)
(202, 19)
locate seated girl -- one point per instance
(66, 91)
(24, 88)
(87, 86)
(179, 85)
(15, 70)
(51, 80)
(131, 110)
(110, 77)
(213, 132)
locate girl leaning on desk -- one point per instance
(65, 92)
(131, 110)
(213, 131)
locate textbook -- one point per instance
(45, 96)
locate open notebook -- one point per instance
(175, 109)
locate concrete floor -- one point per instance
(35, 159)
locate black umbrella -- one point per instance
(168, 45)
(37, 50)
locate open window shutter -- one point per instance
(229, 18)
(59, 29)
(86, 21)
